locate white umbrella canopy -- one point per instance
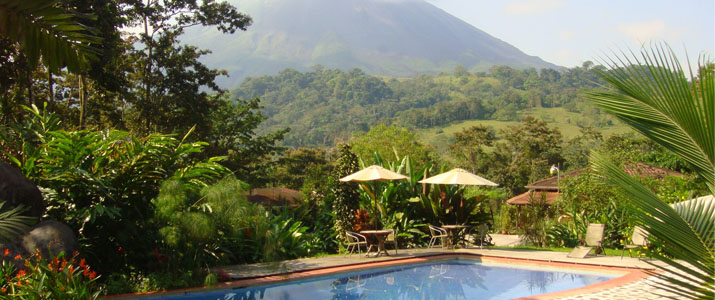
(373, 173)
(458, 176)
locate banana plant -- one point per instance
(653, 95)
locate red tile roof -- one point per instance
(525, 198)
(638, 169)
(550, 185)
(645, 170)
(275, 196)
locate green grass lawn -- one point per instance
(608, 251)
(565, 121)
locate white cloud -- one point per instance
(524, 7)
(641, 32)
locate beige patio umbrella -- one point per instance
(372, 173)
(458, 176)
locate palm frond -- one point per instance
(48, 33)
(694, 268)
(655, 97)
(12, 223)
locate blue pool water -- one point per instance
(454, 279)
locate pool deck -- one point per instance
(633, 286)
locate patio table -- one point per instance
(380, 236)
(455, 233)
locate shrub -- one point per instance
(58, 278)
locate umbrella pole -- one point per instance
(369, 193)
(375, 216)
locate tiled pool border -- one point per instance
(628, 275)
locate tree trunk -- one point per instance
(30, 95)
(82, 101)
(147, 71)
(51, 87)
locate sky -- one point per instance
(567, 33)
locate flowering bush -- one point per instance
(57, 278)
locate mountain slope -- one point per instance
(381, 37)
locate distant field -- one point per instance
(556, 117)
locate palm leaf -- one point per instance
(48, 33)
(654, 96)
(12, 223)
(694, 268)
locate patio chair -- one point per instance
(594, 237)
(639, 239)
(481, 235)
(392, 239)
(355, 240)
(437, 234)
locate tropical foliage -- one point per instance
(654, 96)
(44, 31)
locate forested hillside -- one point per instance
(322, 107)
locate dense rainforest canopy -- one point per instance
(322, 107)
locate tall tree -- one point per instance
(391, 143)
(233, 134)
(525, 154)
(655, 97)
(171, 75)
(469, 148)
(346, 197)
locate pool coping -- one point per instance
(629, 274)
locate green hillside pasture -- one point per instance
(440, 137)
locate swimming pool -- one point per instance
(449, 279)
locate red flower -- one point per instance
(81, 263)
(21, 273)
(92, 275)
(4, 290)
(6, 252)
(63, 287)
(71, 269)
(18, 257)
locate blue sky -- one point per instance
(568, 33)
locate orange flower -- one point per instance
(21, 273)
(19, 283)
(63, 287)
(71, 269)
(18, 257)
(85, 272)
(4, 290)
(6, 252)
(92, 275)
(81, 263)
